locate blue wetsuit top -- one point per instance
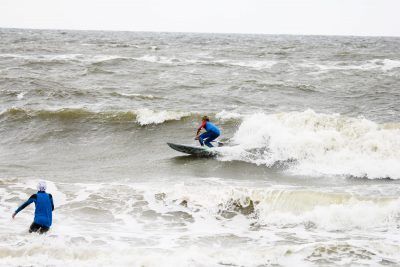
(43, 208)
(210, 127)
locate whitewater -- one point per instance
(309, 175)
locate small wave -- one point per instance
(44, 58)
(384, 65)
(101, 59)
(318, 144)
(255, 64)
(17, 94)
(306, 87)
(140, 116)
(135, 96)
(143, 116)
(104, 58)
(147, 116)
(159, 59)
(228, 116)
(21, 95)
(97, 70)
(388, 64)
(63, 58)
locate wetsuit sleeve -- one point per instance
(51, 200)
(203, 125)
(26, 203)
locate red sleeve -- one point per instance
(203, 125)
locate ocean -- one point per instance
(309, 175)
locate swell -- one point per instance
(384, 65)
(140, 116)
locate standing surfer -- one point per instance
(44, 207)
(212, 132)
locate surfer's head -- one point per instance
(205, 118)
(41, 186)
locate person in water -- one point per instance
(44, 207)
(212, 132)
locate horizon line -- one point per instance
(199, 32)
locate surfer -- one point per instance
(212, 132)
(44, 207)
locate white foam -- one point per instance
(44, 57)
(134, 95)
(255, 64)
(228, 115)
(64, 57)
(389, 64)
(384, 65)
(103, 58)
(21, 95)
(320, 144)
(147, 116)
(126, 225)
(158, 59)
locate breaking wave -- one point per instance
(147, 116)
(318, 144)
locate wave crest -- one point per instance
(140, 116)
(147, 116)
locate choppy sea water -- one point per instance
(310, 175)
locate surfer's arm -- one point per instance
(25, 204)
(203, 125)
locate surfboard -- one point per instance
(193, 150)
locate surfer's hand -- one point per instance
(196, 138)
(13, 216)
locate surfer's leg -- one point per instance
(43, 229)
(212, 137)
(38, 228)
(34, 228)
(202, 137)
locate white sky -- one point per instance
(326, 17)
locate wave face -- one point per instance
(141, 116)
(319, 144)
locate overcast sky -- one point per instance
(326, 17)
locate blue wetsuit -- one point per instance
(44, 207)
(212, 132)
